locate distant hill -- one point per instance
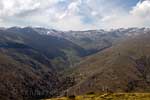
(94, 40)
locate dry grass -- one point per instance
(109, 96)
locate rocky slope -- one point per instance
(125, 67)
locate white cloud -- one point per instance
(138, 16)
(73, 14)
(142, 9)
(14, 7)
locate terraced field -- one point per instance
(109, 96)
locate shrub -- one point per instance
(72, 97)
(90, 93)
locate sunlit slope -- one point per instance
(125, 68)
(118, 96)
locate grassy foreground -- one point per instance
(109, 96)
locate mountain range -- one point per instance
(38, 63)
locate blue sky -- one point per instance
(128, 3)
(75, 14)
